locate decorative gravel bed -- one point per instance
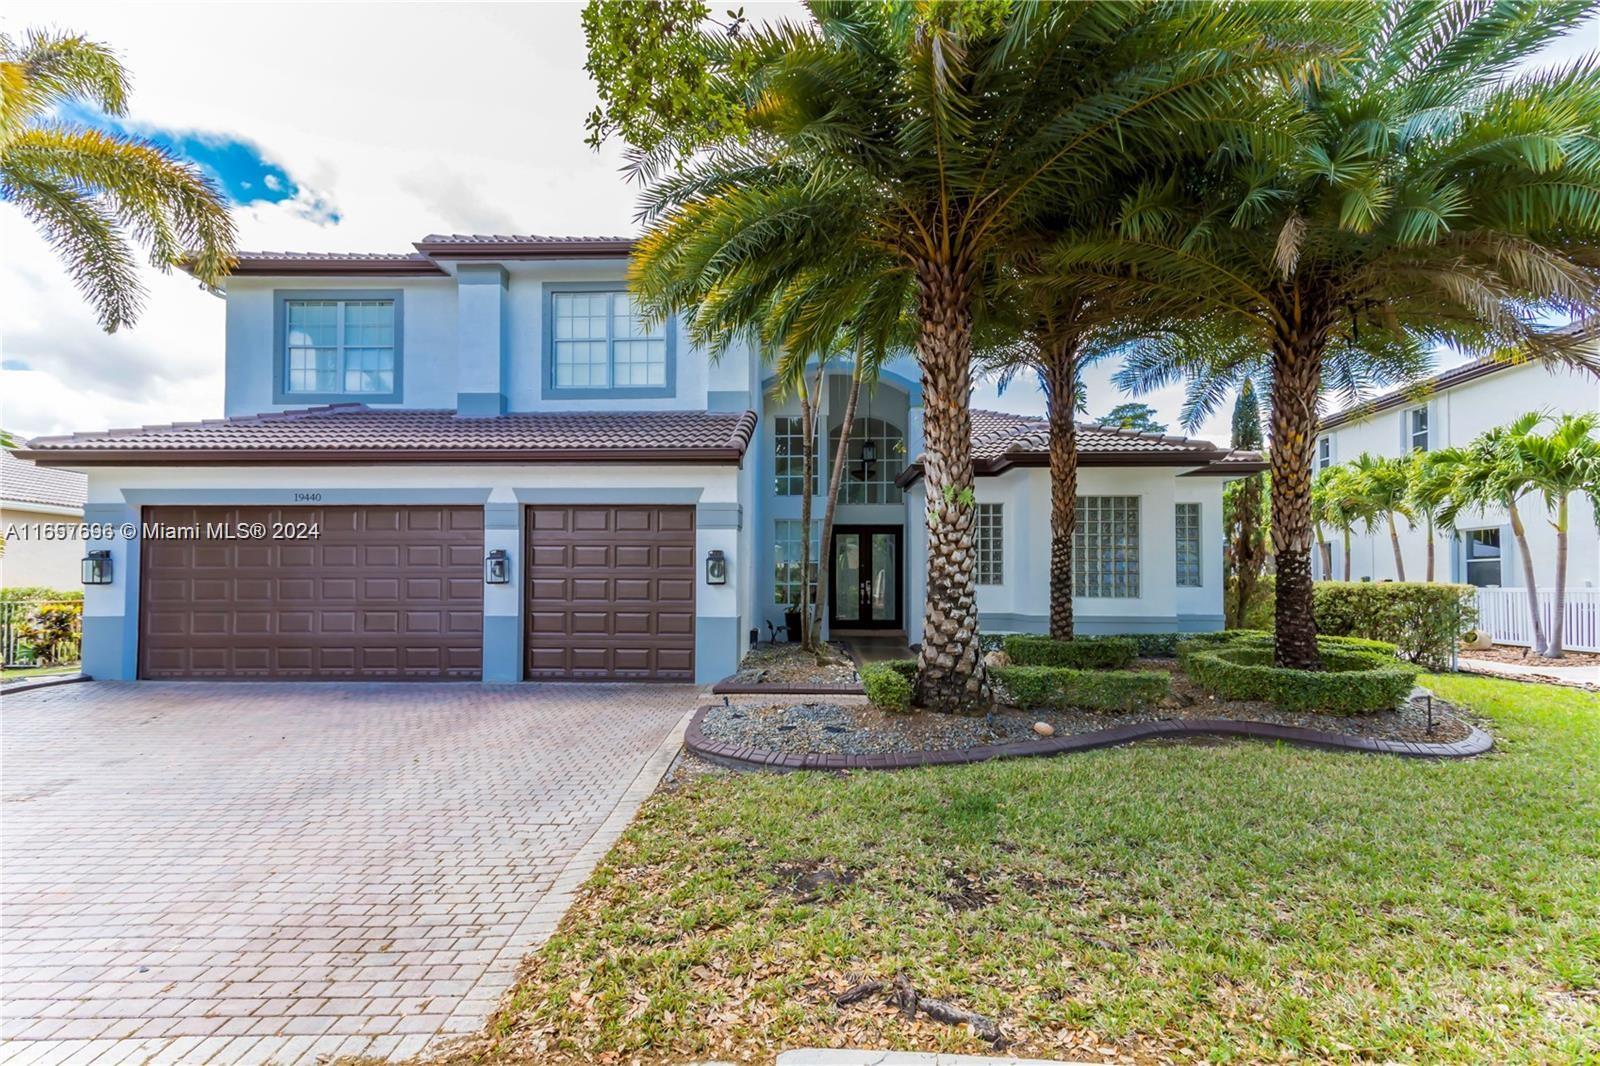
(854, 727)
(786, 664)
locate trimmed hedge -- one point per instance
(1157, 645)
(1063, 688)
(1080, 653)
(1255, 638)
(888, 684)
(1423, 620)
(1354, 680)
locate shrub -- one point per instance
(40, 592)
(1352, 681)
(888, 684)
(1258, 613)
(1156, 645)
(1258, 639)
(51, 631)
(988, 642)
(1063, 688)
(1423, 620)
(1080, 653)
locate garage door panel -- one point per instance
(600, 603)
(381, 593)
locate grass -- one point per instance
(1237, 902)
(23, 673)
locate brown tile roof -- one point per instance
(1001, 440)
(429, 252)
(356, 432)
(337, 264)
(22, 482)
(522, 246)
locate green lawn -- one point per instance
(22, 673)
(1235, 902)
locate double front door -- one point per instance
(864, 578)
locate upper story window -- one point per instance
(788, 457)
(597, 343)
(1187, 519)
(1417, 429)
(1483, 557)
(337, 346)
(1324, 452)
(1105, 548)
(988, 543)
(876, 456)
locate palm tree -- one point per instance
(1433, 194)
(1559, 463)
(1495, 472)
(95, 194)
(1242, 500)
(942, 137)
(1383, 486)
(1431, 480)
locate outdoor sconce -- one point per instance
(716, 567)
(97, 568)
(869, 459)
(497, 568)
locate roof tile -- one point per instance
(23, 482)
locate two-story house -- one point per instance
(1449, 410)
(476, 460)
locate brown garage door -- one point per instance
(379, 594)
(610, 593)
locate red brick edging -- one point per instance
(747, 758)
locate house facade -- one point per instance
(475, 460)
(41, 520)
(1449, 410)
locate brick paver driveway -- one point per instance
(249, 873)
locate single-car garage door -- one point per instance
(610, 593)
(377, 594)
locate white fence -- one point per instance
(1504, 615)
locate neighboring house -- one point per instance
(41, 519)
(1449, 410)
(512, 477)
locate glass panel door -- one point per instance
(885, 577)
(846, 576)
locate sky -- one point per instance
(362, 128)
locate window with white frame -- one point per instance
(1482, 548)
(338, 346)
(876, 456)
(988, 543)
(1324, 452)
(600, 341)
(788, 457)
(1417, 429)
(1105, 548)
(1186, 517)
(786, 564)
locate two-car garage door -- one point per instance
(396, 593)
(376, 594)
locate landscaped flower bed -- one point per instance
(1358, 676)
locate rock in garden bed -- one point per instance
(788, 664)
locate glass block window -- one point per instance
(788, 457)
(339, 346)
(1417, 429)
(988, 544)
(1187, 519)
(871, 482)
(601, 342)
(1105, 548)
(786, 552)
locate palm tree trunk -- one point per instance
(1347, 553)
(1394, 541)
(835, 477)
(1058, 364)
(950, 673)
(1558, 624)
(1296, 382)
(810, 407)
(1521, 535)
(1430, 549)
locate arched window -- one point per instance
(877, 455)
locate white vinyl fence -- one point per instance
(1504, 615)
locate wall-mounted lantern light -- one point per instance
(97, 568)
(497, 568)
(716, 567)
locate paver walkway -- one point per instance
(250, 873)
(1565, 675)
